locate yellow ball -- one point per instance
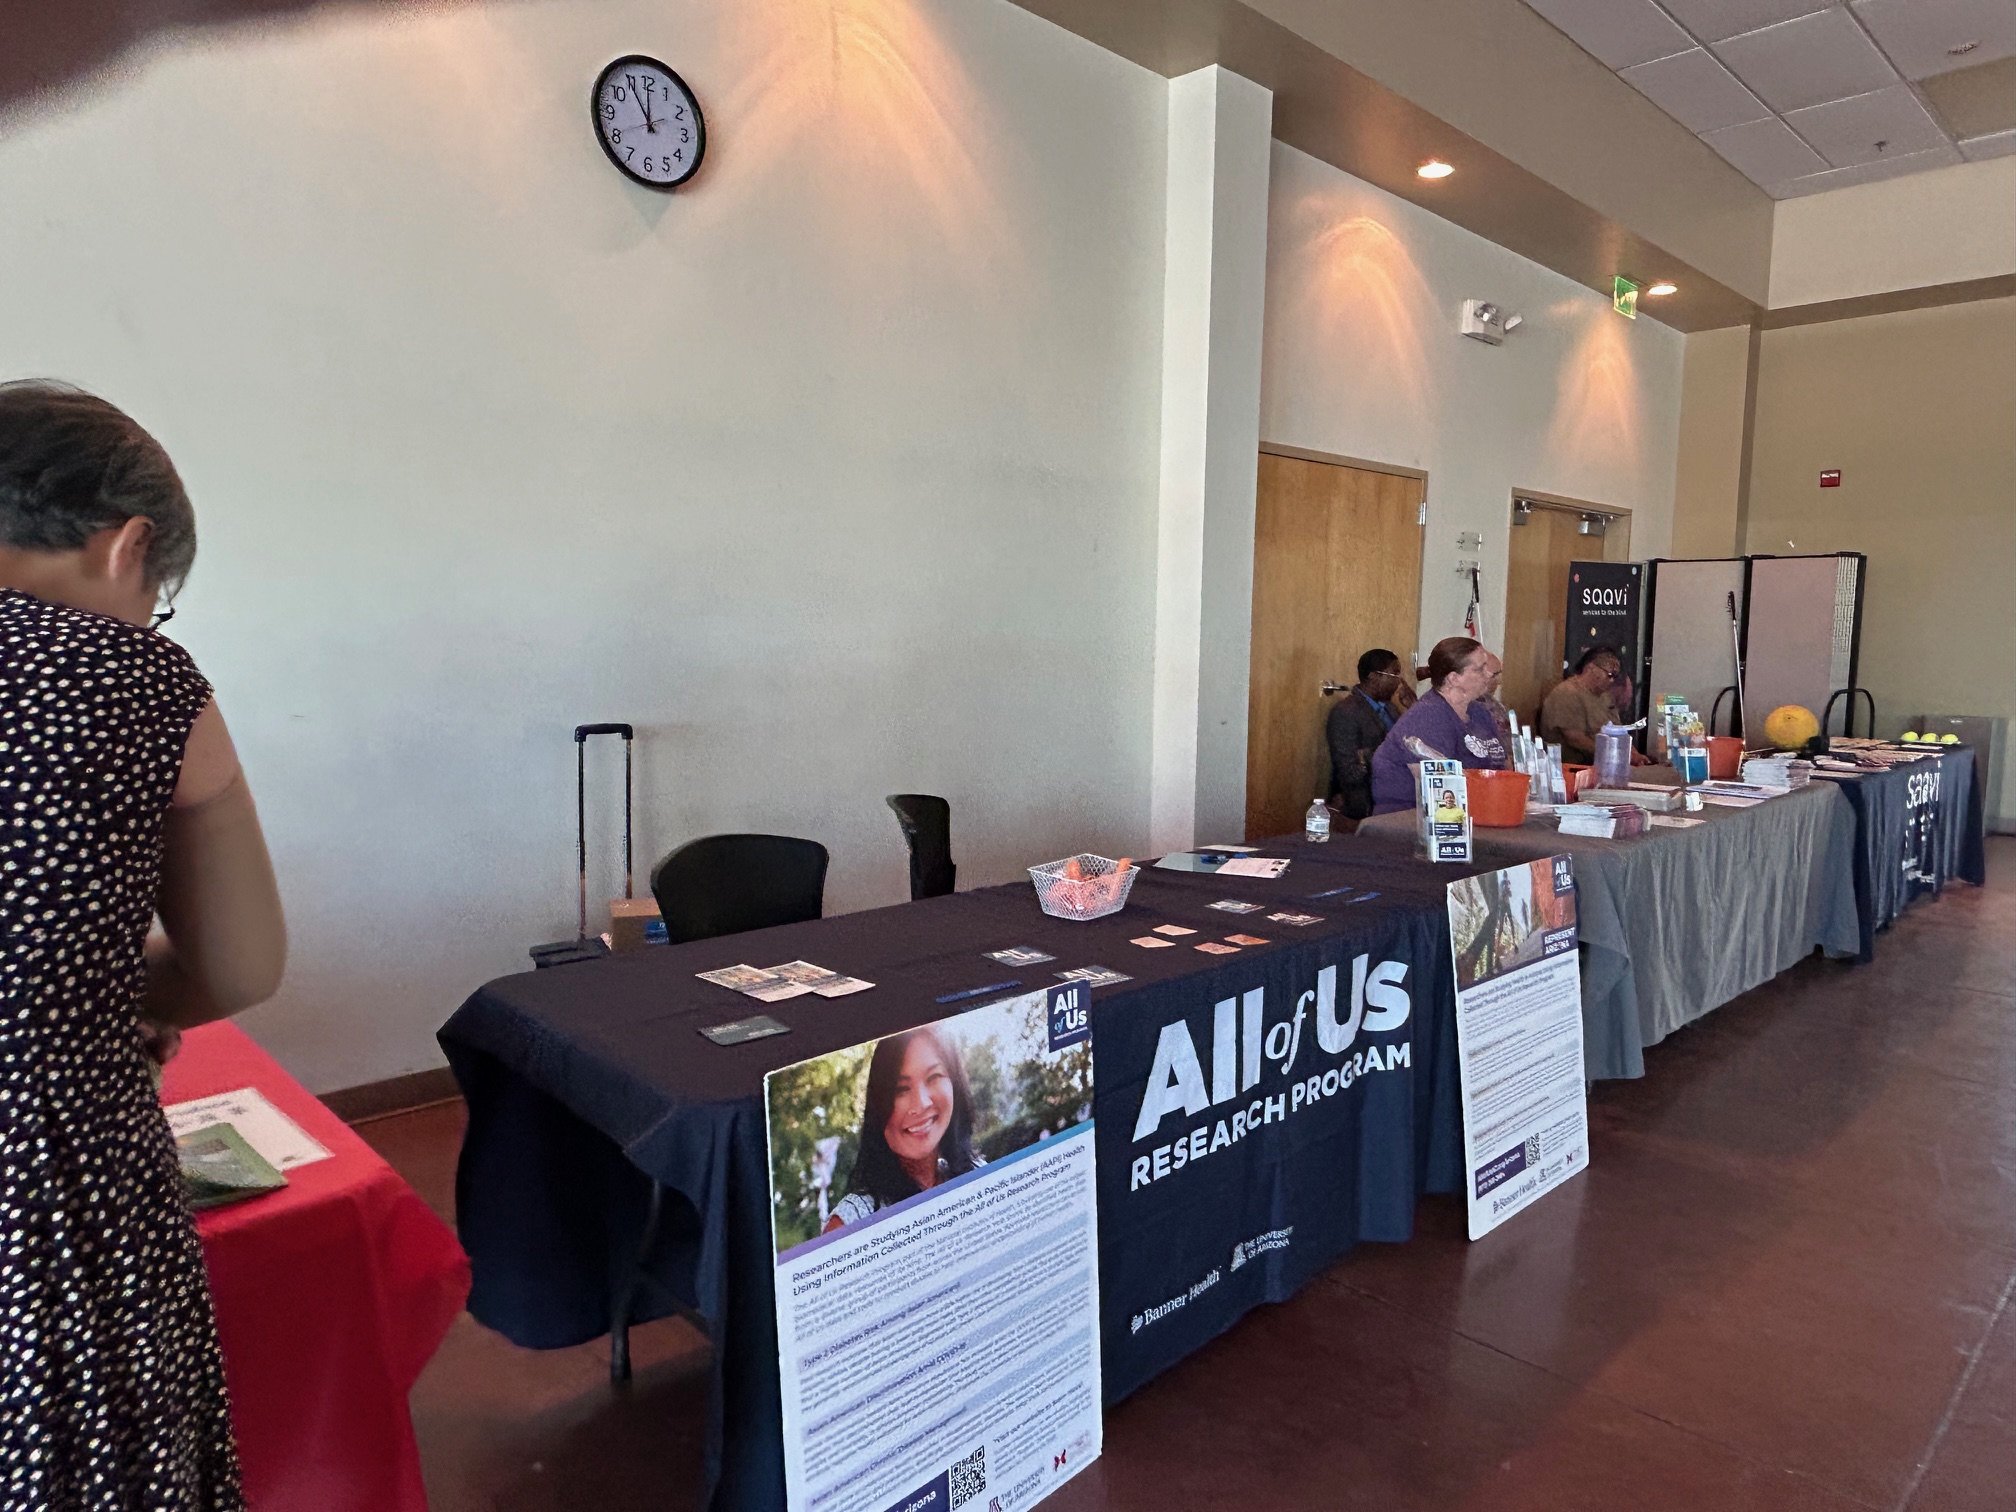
(1949, 738)
(1790, 726)
(1911, 737)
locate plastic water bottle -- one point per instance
(1613, 756)
(1316, 827)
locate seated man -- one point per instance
(1580, 705)
(1358, 722)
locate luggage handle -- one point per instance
(581, 734)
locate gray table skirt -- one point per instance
(1677, 922)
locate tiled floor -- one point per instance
(1784, 1285)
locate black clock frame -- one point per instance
(608, 151)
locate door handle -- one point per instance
(1330, 687)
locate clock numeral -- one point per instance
(617, 91)
(615, 138)
(608, 112)
(629, 153)
(679, 153)
(647, 165)
(685, 135)
(678, 112)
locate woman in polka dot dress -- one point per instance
(121, 802)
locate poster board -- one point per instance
(939, 1348)
(1606, 607)
(1801, 631)
(1512, 939)
(1690, 651)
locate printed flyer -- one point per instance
(935, 1217)
(1512, 937)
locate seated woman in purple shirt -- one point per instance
(1454, 720)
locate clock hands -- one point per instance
(644, 99)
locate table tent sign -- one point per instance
(1512, 936)
(939, 1349)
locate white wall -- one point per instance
(1363, 360)
(1945, 226)
(836, 473)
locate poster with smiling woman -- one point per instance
(933, 1208)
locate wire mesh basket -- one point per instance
(1100, 888)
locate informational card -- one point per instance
(280, 1141)
(1094, 976)
(1445, 811)
(1512, 937)
(939, 1348)
(1233, 905)
(1020, 955)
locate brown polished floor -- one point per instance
(1783, 1285)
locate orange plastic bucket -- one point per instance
(1497, 799)
(1725, 755)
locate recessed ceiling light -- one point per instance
(1962, 50)
(1659, 290)
(1434, 168)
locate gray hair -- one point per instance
(72, 465)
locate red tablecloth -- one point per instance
(331, 1297)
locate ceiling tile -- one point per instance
(1847, 132)
(1619, 32)
(1918, 33)
(1864, 173)
(1767, 151)
(2002, 144)
(1824, 56)
(1712, 20)
(1696, 91)
(1973, 102)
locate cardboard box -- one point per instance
(634, 923)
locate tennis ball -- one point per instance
(1949, 738)
(1911, 736)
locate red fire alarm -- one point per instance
(1831, 478)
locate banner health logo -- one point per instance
(1070, 1014)
(1242, 1045)
(1495, 1173)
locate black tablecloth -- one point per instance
(587, 1083)
(1917, 826)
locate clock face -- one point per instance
(648, 122)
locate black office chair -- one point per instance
(725, 884)
(927, 825)
(717, 885)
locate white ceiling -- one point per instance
(1801, 95)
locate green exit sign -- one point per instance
(1624, 297)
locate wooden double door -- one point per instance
(1336, 572)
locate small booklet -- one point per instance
(219, 1167)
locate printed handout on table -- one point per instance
(279, 1141)
(1253, 866)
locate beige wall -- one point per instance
(1946, 226)
(1708, 484)
(835, 473)
(1918, 411)
(1363, 359)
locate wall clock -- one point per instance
(648, 122)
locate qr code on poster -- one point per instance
(969, 1477)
